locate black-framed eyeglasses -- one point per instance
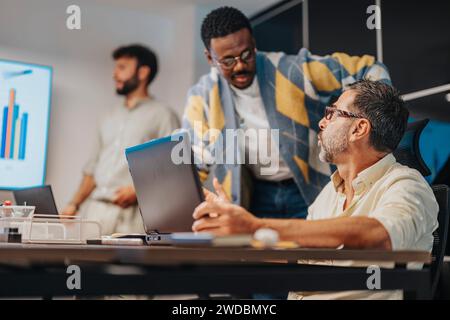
(228, 63)
(331, 110)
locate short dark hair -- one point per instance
(386, 111)
(143, 55)
(222, 22)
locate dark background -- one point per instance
(416, 41)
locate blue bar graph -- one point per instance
(23, 136)
(13, 130)
(4, 125)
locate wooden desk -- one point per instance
(28, 270)
(154, 255)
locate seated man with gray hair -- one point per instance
(371, 202)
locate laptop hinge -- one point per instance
(158, 238)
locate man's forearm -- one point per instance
(86, 187)
(354, 232)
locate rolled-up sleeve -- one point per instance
(408, 211)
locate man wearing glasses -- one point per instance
(371, 202)
(275, 92)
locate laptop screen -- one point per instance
(40, 197)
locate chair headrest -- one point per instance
(408, 151)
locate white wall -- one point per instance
(35, 31)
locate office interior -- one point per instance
(412, 42)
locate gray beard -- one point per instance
(333, 145)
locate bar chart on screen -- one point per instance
(25, 95)
(14, 130)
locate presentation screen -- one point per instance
(25, 95)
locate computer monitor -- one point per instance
(25, 95)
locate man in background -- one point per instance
(106, 193)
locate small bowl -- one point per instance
(16, 211)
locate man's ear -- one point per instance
(360, 129)
(144, 73)
(208, 57)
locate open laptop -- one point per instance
(40, 197)
(167, 192)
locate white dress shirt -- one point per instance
(250, 109)
(395, 195)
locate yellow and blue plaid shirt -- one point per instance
(295, 90)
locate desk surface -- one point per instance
(39, 270)
(157, 255)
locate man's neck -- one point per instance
(133, 98)
(353, 165)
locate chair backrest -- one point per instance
(440, 235)
(408, 152)
(443, 176)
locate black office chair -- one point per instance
(443, 176)
(443, 289)
(408, 153)
(440, 237)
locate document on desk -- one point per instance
(108, 240)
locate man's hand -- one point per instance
(70, 210)
(125, 197)
(219, 196)
(222, 218)
(219, 216)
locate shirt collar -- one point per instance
(138, 104)
(366, 178)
